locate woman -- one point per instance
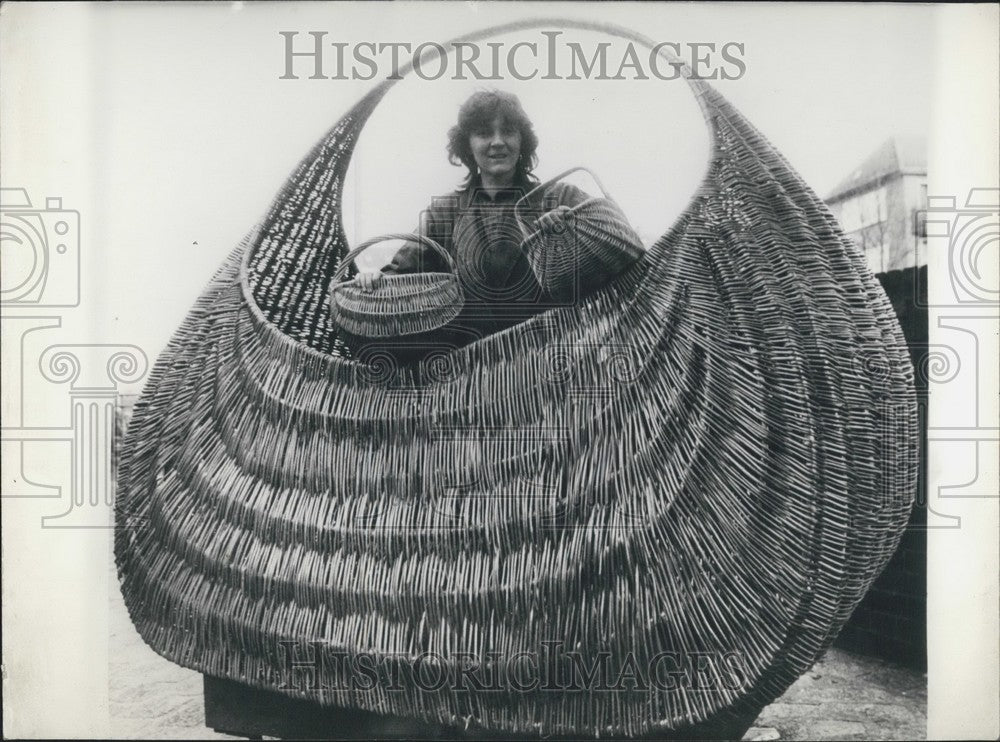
(476, 224)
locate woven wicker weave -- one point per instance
(596, 244)
(714, 454)
(399, 305)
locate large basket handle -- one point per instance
(409, 237)
(551, 181)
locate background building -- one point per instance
(879, 204)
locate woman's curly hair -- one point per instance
(478, 112)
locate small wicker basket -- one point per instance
(401, 305)
(596, 246)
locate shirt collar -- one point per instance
(503, 195)
(476, 194)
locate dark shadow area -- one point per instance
(891, 621)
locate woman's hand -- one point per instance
(369, 280)
(553, 222)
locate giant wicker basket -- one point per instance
(709, 460)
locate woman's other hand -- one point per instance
(369, 280)
(554, 222)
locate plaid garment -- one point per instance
(480, 231)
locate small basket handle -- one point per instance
(550, 181)
(409, 237)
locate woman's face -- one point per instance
(496, 148)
